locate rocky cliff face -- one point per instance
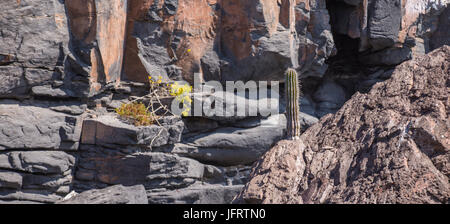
(225, 40)
(388, 146)
(65, 65)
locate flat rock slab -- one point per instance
(117, 194)
(29, 127)
(35, 176)
(40, 162)
(201, 194)
(233, 146)
(109, 130)
(153, 170)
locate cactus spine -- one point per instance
(292, 105)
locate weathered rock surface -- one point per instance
(226, 40)
(60, 49)
(388, 146)
(389, 31)
(99, 166)
(200, 194)
(29, 127)
(109, 130)
(35, 176)
(46, 162)
(442, 35)
(116, 194)
(62, 59)
(329, 98)
(34, 39)
(231, 146)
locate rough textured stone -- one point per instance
(200, 194)
(329, 97)
(10, 180)
(153, 170)
(233, 146)
(35, 176)
(388, 146)
(35, 40)
(226, 40)
(394, 31)
(34, 32)
(117, 194)
(232, 106)
(96, 53)
(29, 127)
(240, 145)
(442, 35)
(13, 83)
(64, 43)
(109, 130)
(46, 162)
(391, 56)
(384, 23)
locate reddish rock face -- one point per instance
(132, 66)
(391, 145)
(90, 43)
(98, 29)
(224, 40)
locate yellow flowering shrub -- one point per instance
(142, 115)
(182, 95)
(137, 112)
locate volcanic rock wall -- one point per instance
(65, 64)
(225, 40)
(389, 32)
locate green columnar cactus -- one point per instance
(292, 104)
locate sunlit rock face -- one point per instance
(226, 40)
(97, 30)
(86, 44)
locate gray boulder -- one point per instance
(442, 35)
(10, 180)
(33, 45)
